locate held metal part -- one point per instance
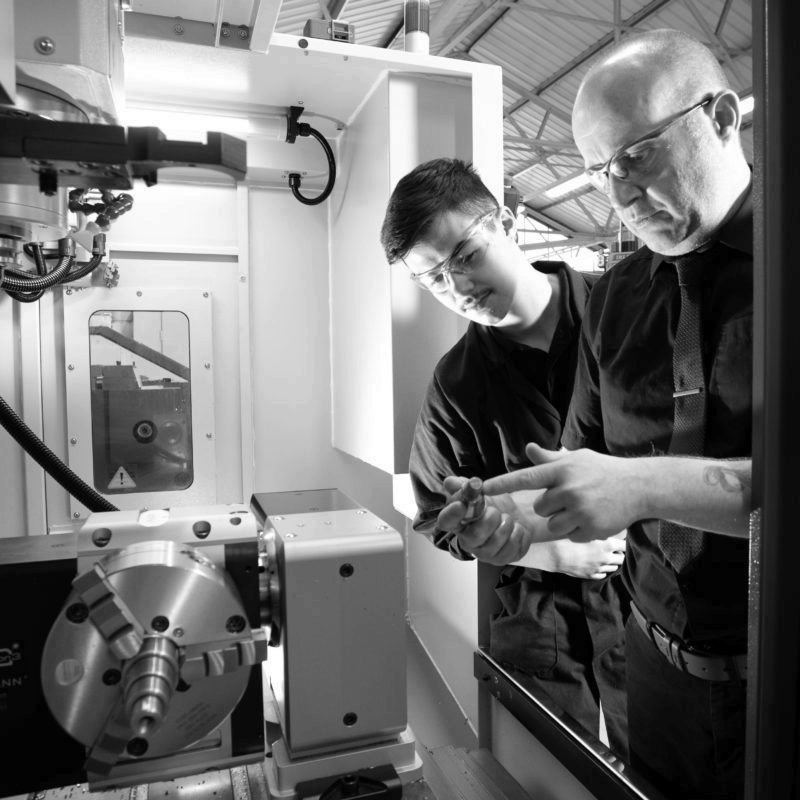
(471, 495)
(149, 653)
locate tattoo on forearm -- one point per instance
(735, 480)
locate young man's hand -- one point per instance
(592, 560)
(505, 531)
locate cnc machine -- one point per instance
(159, 624)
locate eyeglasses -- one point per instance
(636, 158)
(464, 259)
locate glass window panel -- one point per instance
(140, 401)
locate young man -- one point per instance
(506, 382)
(658, 127)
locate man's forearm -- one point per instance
(541, 555)
(709, 494)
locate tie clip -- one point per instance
(687, 392)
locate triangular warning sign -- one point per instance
(122, 480)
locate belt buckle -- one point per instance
(670, 646)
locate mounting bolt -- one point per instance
(178, 28)
(235, 624)
(159, 623)
(77, 613)
(45, 45)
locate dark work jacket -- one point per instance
(488, 398)
(623, 405)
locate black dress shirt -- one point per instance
(488, 398)
(623, 405)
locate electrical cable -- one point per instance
(294, 178)
(25, 288)
(50, 462)
(34, 251)
(12, 278)
(84, 269)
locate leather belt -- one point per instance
(687, 659)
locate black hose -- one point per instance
(294, 177)
(25, 297)
(34, 251)
(50, 462)
(31, 284)
(85, 269)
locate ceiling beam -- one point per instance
(476, 20)
(444, 15)
(393, 33)
(557, 145)
(723, 17)
(716, 44)
(631, 22)
(574, 240)
(521, 6)
(336, 8)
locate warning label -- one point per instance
(122, 480)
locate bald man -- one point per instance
(658, 128)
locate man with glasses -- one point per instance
(506, 382)
(658, 434)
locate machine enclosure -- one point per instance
(339, 678)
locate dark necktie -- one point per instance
(680, 544)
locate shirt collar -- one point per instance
(736, 233)
(500, 346)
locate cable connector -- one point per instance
(293, 126)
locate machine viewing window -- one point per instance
(141, 401)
